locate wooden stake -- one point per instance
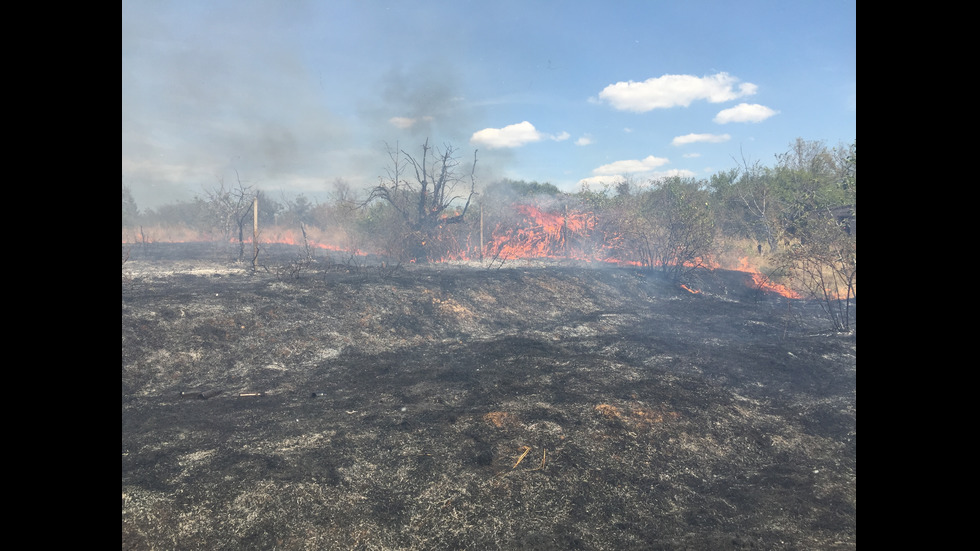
(255, 230)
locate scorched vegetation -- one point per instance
(793, 224)
(505, 366)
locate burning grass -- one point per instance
(528, 233)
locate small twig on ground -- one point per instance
(495, 258)
(544, 453)
(521, 458)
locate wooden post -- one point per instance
(255, 230)
(481, 231)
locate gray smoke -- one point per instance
(233, 92)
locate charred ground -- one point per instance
(456, 407)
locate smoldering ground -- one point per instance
(454, 407)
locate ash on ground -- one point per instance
(339, 403)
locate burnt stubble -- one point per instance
(534, 406)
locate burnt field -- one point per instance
(342, 405)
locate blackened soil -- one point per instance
(332, 405)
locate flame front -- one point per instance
(532, 234)
(763, 282)
(543, 235)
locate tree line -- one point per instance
(799, 213)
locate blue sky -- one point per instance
(289, 95)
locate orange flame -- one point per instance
(543, 235)
(569, 235)
(271, 236)
(763, 282)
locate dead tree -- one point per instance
(229, 209)
(424, 193)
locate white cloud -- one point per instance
(584, 140)
(613, 179)
(401, 122)
(673, 91)
(407, 122)
(696, 138)
(597, 181)
(631, 166)
(679, 172)
(514, 135)
(745, 112)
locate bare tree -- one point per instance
(755, 194)
(229, 210)
(424, 193)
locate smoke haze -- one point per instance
(230, 96)
(290, 96)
